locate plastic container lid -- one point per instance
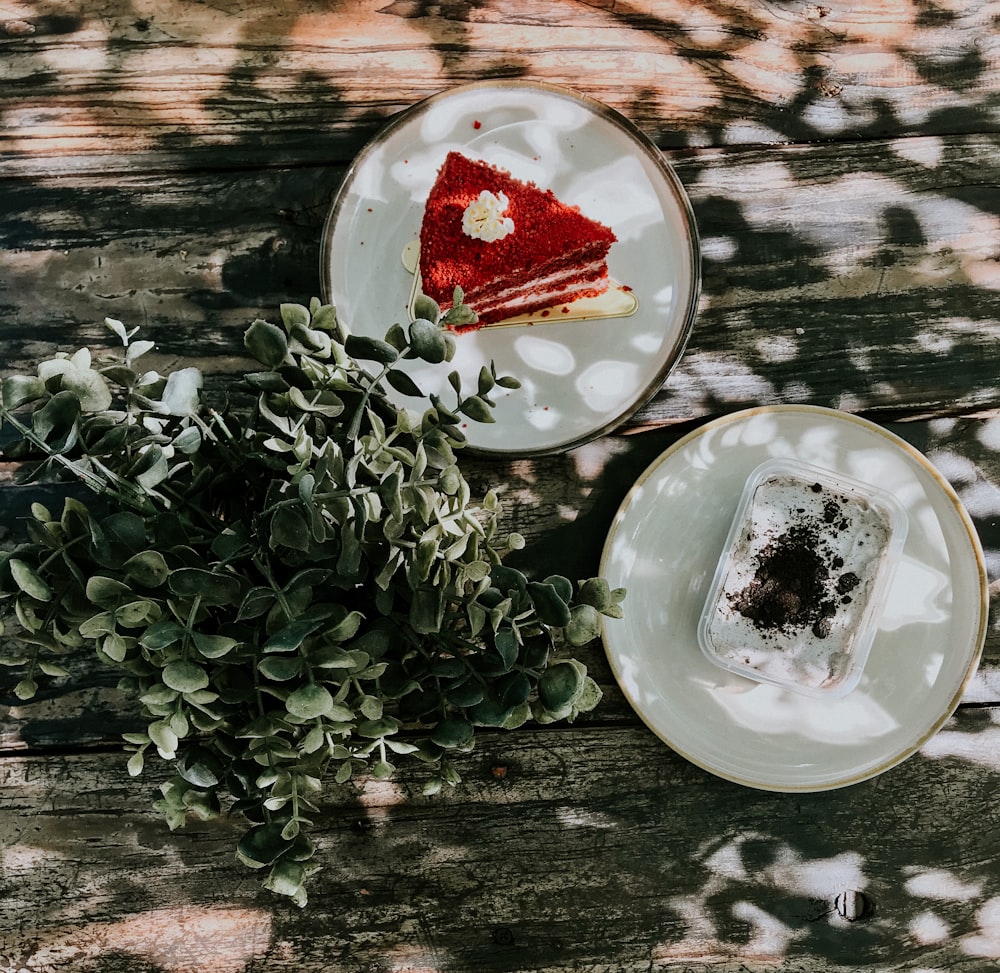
(803, 578)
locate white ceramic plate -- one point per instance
(664, 545)
(579, 379)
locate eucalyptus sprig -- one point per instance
(299, 589)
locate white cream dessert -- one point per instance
(798, 581)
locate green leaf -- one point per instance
(188, 441)
(320, 401)
(294, 315)
(280, 667)
(19, 390)
(89, 387)
(289, 528)
(211, 587)
(266, 382)
(427, 610)
(106, 592)
(26, 689)
(266, 342)
(590, 696)
(375, 729)
(185, 676)
(120, 330)
(149, 569)
(560, 685)
(158, 695)
(135, 614)
(508, 580)
(507, 645)
(151, 468)
(125, 528)
(486, 380)
(164, 737)
(261, 845)
(453, 733)
(396, 337)
(549, 603)
(309, 702)
(426, 307)
(182, 395)
(465, 694)
(213, 646)
(402, 382)
(490, 712)
(53, 669)
(584, 625)
(137, 349)
(292, 635)
(97, 625)
(596, 592)
(57, 416)
(256, 603)
(285, 878)
(514, 689)
(563, 586)
(346, 628)
(427, 341)
(159, 635)
(28, 581)
(370, 349)
(200, 767)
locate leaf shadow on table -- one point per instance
(608, 837)
(541, 859)
(676, 867)
(243, 233)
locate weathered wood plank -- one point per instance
(587, 850)
(236, 83)
(885, 302)
(564, 507)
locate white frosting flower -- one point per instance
(483, 218)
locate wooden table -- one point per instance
(170, 164)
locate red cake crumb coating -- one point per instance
(555, 254)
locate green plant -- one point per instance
(299, 587)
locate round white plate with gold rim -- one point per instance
(579, 379)
(664, 546)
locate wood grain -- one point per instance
(587, 849)
(564, 507)
(882, 301)
(100, 88)
(171, 164)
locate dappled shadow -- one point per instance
(541, 858)
(844, 177)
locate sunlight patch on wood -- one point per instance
(986, 942)
(376, 794)
(20, 858)
(940, 885)
(928, 929)
(927, 151)
(575, 817)
(981, 747)
(188, 939)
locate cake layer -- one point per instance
(562, 286)
(549, 251)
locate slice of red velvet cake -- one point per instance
(513, 248)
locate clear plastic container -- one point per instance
(803, 578)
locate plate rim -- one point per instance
(887, 762)
(642, 141)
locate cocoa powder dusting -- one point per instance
(788, 589)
